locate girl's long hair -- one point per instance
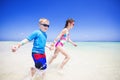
(70, 20)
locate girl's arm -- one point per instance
(70, 41)
(15, 47)
(58, 37)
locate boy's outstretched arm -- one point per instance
(15, 47)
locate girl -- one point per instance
(59, 42)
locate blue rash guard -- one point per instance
(39, 43)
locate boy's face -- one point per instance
(44, 26)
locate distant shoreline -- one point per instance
(74, 41)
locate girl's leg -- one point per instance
(66, 59)
(54, 56)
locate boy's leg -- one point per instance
(43, 74)
(40, 64)
(33, 71)
(39, 75)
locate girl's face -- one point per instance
(71, 25)
(44, 26)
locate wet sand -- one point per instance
(89, 61)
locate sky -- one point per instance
(95, 20)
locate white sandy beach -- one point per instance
(89, 61)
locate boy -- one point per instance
(38, 50)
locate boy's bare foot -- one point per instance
(33, 70)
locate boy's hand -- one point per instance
(14, 48)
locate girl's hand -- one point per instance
(52, 46)
(75, 45)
